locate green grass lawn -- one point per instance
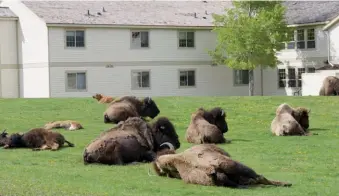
(309, 163)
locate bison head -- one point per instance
(15, 141)
(165, 135)
(3, 138)
(97, 96)
(219, 119)
(302, 116)
(149, 108)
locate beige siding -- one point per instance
(112, 45)
(9, 83)
(210, 81)
(334, 38)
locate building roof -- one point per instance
(165, 13)
(5, 12)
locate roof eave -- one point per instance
(331, 23)
(8, 18)
(127, 26)
(308, 24)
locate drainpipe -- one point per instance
(329, 48)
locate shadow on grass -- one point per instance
(318, 129)
(240, 140)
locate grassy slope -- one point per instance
(310, 163)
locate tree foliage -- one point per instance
(250, 34)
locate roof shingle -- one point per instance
(5, 12)
(165, 13)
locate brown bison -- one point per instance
(208, 165)
(207, 126)
(36, 139)
(290, 121)
(130, 106)
(330, 86)
(133, 140)
(3, 138)
(66, 124)
(102, 98)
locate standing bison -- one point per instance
(37, 139)
(130, 106)
(290, 121)
(330, 86)
(132, 140)
(208, 165)
(207, 126)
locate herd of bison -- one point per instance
(135, 139)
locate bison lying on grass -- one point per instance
(66, 124)
(36, 139)
(132, 140)
(290, 121)
(208, 165)
(207, 126)
(330, 86)
(130, 106)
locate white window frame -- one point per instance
(306, 41)
(75, 40)
(186, 45)
(136, 42)
(76, 89)
(239, 81)
(136, 86)
(194, 76)
(296, 71)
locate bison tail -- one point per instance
(69, 143)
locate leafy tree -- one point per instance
(249, 35)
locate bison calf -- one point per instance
(132, 140)
(130, 106)
(37, 139)
(66, 124)
(209, 165)
(102, 98)
(207, 126)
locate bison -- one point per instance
(130, 106)
(290, 121)
(208, 165)
(133, 140)
(37, 139)
(207, 126)
(66, 124)
(3, 138)
(330, 86)
(103, 98)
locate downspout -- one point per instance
(18, 57)
(329, 48)
(261, 81)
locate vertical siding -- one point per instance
(33, 51)
(210, 81)
(334, 47)
(9, 80)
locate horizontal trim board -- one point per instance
(9, 66)
(127, 63)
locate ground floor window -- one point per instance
(140, 79)
(186, 78)
(291, 77)
(76, 81)
(240, 77)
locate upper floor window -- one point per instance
(75, 38)
(140, 79)
(76, 81)
(186, 39)
(140, 39)
(241, 77)
(301, 39)
(187, 78)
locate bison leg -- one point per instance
(55, 146)
(43, 147)
(221, 179)
(262, 180)
(69, 143)
(149, 156)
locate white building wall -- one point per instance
(9, 78)
(312, 82)
(334, 39)
(33, 51)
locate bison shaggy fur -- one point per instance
(133, 140)
(330, 86)
(37, 139)
(130, 106)
(290, 121)
(209, 165)
(103, 98)
(207, 126)
(66, 124)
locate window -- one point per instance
(140, 39)
(282, 78)
(300, 71)
(291, 77)
(311, 70)
(76, 81)
(75, 38)
(186, 39)
(241, 77)
(140, 79)
(187, 78)
(301, 39)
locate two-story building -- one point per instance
(147, 48)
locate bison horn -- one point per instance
(169, 145)
(222, 112)
(309, 110)
(149, 99)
